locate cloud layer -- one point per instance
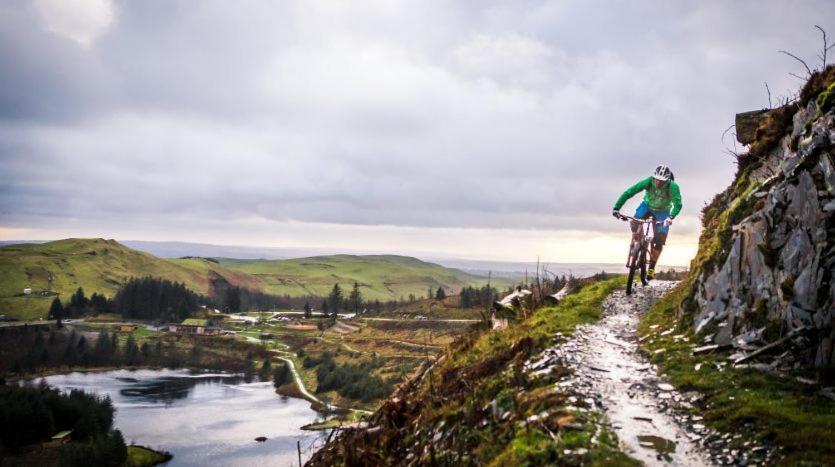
(413, 114)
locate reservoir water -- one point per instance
(203, 418)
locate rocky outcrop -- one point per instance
(774, 275)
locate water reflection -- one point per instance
(203, 418)
(167, 389)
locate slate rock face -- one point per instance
(779, 272)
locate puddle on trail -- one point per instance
(664, 447)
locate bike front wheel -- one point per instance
(630, 278)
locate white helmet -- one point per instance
(663, 173)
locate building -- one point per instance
(195, 326)
(125, 327)
(27, 291)
(60, 438)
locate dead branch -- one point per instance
(771, 346)
(822, 55)
(726, 132)
(769, 96)
(735, 151)
(808, 70)
(485, 314)
(733, 154)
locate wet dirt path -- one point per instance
(615, 379)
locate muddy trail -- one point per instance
(655, 423)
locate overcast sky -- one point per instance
(476, 129)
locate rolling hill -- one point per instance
(97, 265)
(383, 277)
(101, 266)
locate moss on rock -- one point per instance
(826, 99)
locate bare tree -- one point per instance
(826, 47)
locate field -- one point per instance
(381, 277)
(397, 342)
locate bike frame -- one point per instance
(640, 246)
(645, 234)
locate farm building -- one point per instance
(125, 327)
(195, 326)
(62, 437)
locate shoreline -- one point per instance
(143, 456)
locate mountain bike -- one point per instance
(639, 249)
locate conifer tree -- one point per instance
(335, 300)
(56, 311)
(355, 298)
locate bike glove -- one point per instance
(616, 213)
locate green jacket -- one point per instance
(658, 199)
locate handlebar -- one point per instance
(626, 218)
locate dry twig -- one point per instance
(808, 70)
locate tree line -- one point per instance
(29, 349)
(472, 297)
(338, 302)
(156, 299)
(30, 415)
(147, 298)
(354, 381)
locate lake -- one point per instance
(203, 418)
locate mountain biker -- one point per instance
(662, 200)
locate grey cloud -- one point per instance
(445, 114)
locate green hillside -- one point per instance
(101, 266)
(383, 277)
(97, 265)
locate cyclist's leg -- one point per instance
(659, 239)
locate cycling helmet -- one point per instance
(663, 173)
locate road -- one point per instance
(428, 320)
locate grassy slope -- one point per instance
(97, 265)
(773, 409)
(140, 456)
(383, 277)
(447, 416)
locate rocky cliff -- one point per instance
(764, 278)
